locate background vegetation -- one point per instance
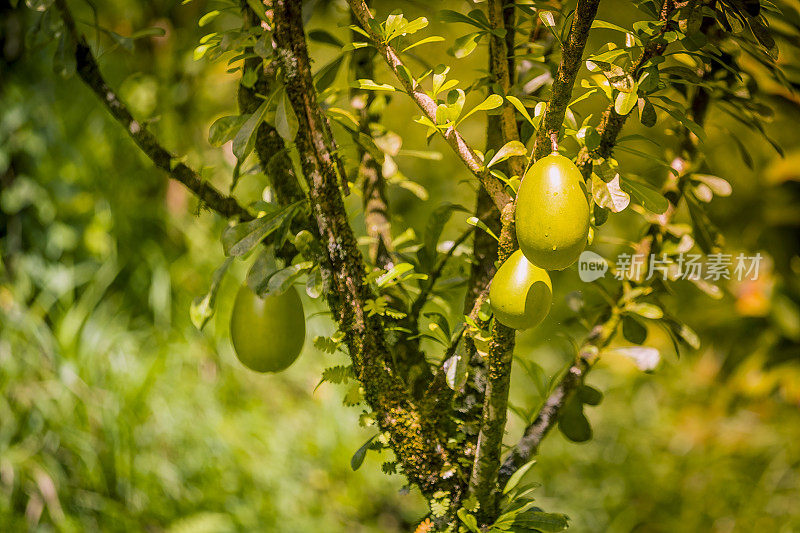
(117, 414)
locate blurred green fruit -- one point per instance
(521, 293)
(267, 333)
(552, 215)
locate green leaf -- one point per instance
(64, 59)
(542, 521)
(433, 230)
(202, 308)
(280, 281)
(448, 15)
(625, 102)
(646, 310)
(493, 101)
(327, 74)
(240, 238)
(589, 395)
(647, 113)
(426, 40)
(645, 358)
(574, 425)
(648, 197)
(683, 332)
(245, 137)
(358, 458)
(314, 283)
(455, 367)
(633, 330)
(225, 128)
(465, 45)
(549, 21)
(470, 521)
(510, 149)
(609, 194)
(285, 120)
(208, 18)
(517, 476)
(259, 9)
(369, 85)
(478, 223)
(706, 233)
(517, 103)
(602, 24)
(718, 185)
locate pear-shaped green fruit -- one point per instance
(552, 215)
(267, 333)
(521, 293)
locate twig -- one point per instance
(494, 187)
(89, 72)
(528, 445)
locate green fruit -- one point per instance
(267, 333)
(521, 293)
(552, 215)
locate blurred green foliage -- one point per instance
(117, 415)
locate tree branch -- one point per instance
(493, 186)
(528, 445)
(89, 72)
(412, 436)
(486, 465)
(571, 59)
(604, 331)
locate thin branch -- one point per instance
(413, 437)
(493, 186)
(528, 445)
(571, 59)
(89, 72)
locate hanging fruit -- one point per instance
(521, 293)
(267, 333)
(552, 213)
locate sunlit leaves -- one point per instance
(646, 196)
(510, 149)
(203, 307)
(626, 101)
(371, 85)
(240, 238)
(609, 194)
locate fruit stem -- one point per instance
(554, 141)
